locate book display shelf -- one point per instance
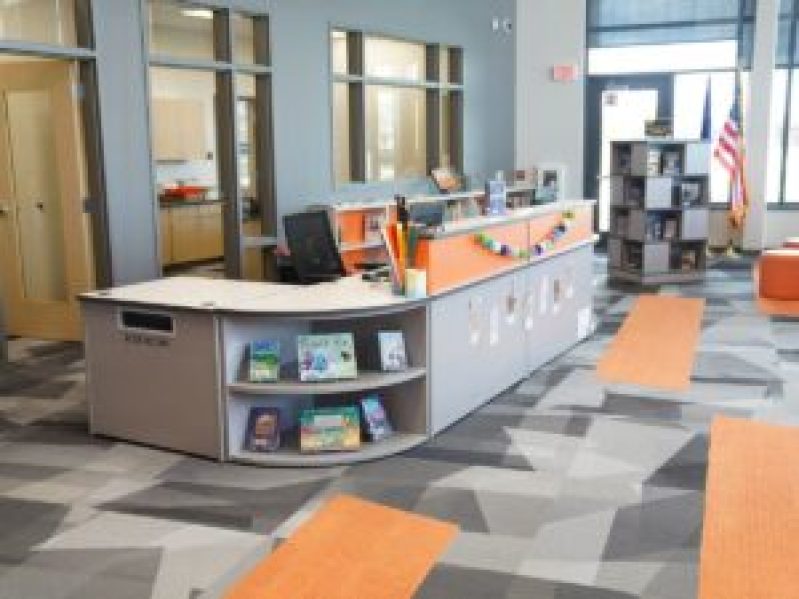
(403, 393)
(660, 190)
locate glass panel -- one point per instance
(43, 21)
(626, 12)
(247, 123)
(792, 161)
(395, 133)
(444, 74)
(394, 59)
(624, 114)
(778, 102)
(668, 58)
(446, 128)
(187, 178)
(338, 52)
(243, 39)
(181, 31)
(341, 132)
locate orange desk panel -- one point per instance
(458, 259)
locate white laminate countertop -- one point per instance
(220, 295)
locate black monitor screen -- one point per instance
(313, 248)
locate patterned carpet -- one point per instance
(564, 488)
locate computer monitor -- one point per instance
(313, 248)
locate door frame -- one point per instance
(596, 85)
(57, 319)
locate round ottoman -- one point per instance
(779, 274)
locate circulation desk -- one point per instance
(166, 360)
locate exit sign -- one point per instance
(565, 72)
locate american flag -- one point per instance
(730, 152)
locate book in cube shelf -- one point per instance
(330, 429)
(263, 430)
(373, 223)
(327, 357)
(264, 365)
(376, 424)
(393, 357)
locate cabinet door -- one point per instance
(179, 129)
(210, 232)
(185, 233)
(166, 237)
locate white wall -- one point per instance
(550, 115)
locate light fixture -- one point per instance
(198, 13)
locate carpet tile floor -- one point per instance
(564, 487)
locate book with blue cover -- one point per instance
(326, 357)
(264, 361)
(375, 419)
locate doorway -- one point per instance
(617, 109)
(46, 256)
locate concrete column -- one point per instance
(760, 119)
(550, 115)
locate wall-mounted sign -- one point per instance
(565, 73)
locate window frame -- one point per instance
(435, 91)
(790, 67)
(225, 69)
(84, 54)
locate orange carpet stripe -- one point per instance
(750, 543)
(350, 549)
(656, 345)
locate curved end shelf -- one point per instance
(366, 381)
(292, 458)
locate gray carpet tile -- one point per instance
(563, 487)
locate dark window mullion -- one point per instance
(787, 114)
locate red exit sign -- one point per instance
(565, 72)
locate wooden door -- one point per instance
(45, 253)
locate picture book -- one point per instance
(653, 162)
(393, 356)
(497, 194)
(691, 192)
(264, 361)
(263, 430)
(330, 429)
(373, 223)
(671, 163)
(375, 419)
(326, 357)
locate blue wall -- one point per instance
(302, 90)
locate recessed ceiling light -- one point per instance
(198, 13)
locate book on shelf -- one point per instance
(670, 228)
(634, 258)
(672, 163)
(636, 192)
(263, 430)
(393, 356)
(624, 160)
(264, 361)
(653, 161)
(376, 424)
(689, 259)
(330, 429)
(497, 196)
(327, 357)
(691, 193)
(373, 223)
(654, 227)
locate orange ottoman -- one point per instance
(791, 243)
(779, 275)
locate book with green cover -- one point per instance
(326, 357)
(264, 361)
(330, 429)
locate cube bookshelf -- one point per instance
(659, 223)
